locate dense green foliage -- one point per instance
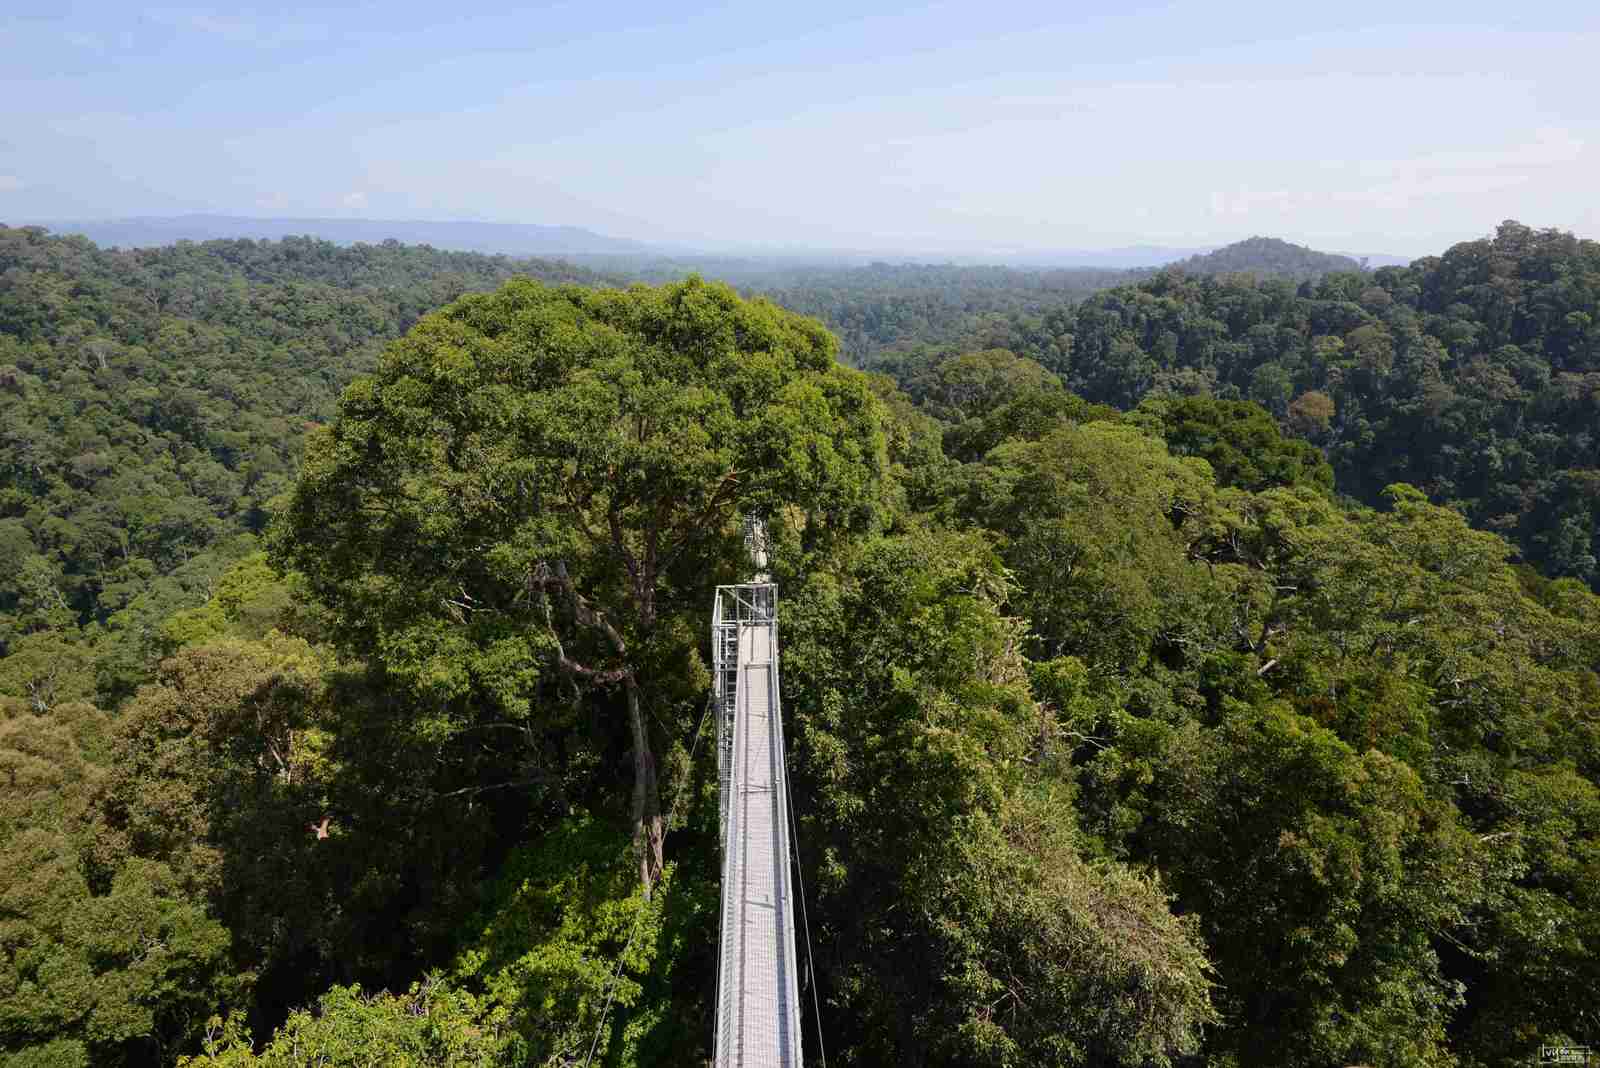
(1117, 736)
(963, 922)
(1474, 375)
(536, 484)
(151, 403)
(898, 305)
(1313, 724)
(883, 307)
(100, 962)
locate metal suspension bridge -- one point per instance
(758, 1001)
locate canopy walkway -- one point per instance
(758, 1001)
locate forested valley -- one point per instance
(1183, 667)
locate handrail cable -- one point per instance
(672, 811)
(805, 923)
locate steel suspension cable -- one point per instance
(805, 922)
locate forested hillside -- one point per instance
(353, 705)
(1268, 257)
(872, 308)
(151, 403)
(889, 306)
(1474, 375)
(886, 309)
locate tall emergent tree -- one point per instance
(534, 491)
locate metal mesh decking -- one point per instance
(758, 1004)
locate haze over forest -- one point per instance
(513, 239)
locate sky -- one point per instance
(960, 128)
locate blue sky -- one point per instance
(952, 128)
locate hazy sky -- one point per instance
(1398, 126)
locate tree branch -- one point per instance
(542, 780)
(729, 481)
(629, 561)
(543, 577)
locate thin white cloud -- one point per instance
(1550, 146)
(354, 201)
(89, 41)
(1258, 201)
(10, 183)
(1469, 173)
(240, 28)
(1401, 184)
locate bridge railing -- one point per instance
(726, 624)
(735, 611)
(790, 1005)
(735, 606)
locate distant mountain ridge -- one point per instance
(1127, 257)
(511, 239)
(1268, 256)
(604, 252)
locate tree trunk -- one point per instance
(648, 833)
(649, 836)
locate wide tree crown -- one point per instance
(611, 434)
